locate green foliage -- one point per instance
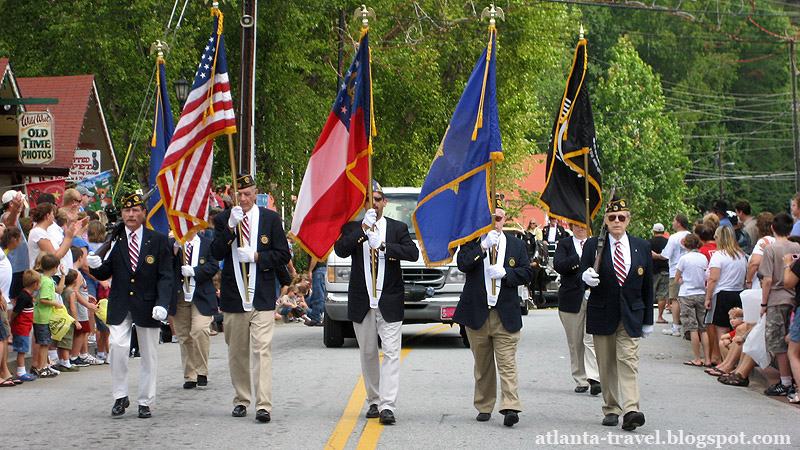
(640, 145)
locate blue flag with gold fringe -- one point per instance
(163, 127)
(454, 206)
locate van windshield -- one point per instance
(400, 207)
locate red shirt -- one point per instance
(23, 322)
(709, 249)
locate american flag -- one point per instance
(185, 175)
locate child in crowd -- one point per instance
(731, 343)
(691, 276)
(289, 306)
(68, 284)
(42, 309)
(22, 321)
(736, 317)
(85, 306)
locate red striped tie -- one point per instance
(246, 231)
(133, 250)
(619, 264)
(188, 254)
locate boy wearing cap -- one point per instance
(251, 243)
(619, 312)
(140, 261)
(377, 310)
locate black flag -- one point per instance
(573, 136)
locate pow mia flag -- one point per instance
(572, 137)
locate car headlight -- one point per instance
(340, 274)
(456, 276)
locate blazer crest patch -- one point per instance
(640, 271)
(150, 259)
(512, 262)
(264, 239)
(201, 261)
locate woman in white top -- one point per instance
(726, 272)
(39, 240)
(765, 237)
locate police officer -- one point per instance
(489, 310)
(140, 262)
(248, 292)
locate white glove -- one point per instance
(490, 239)
(159, 313)
(374, 239)
(590, 277)
(646, 330)
(237, 215)
(246, 254)
(370, 217)
(496, 272)
(94, 261)
(187, 271)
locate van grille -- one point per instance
(424, 277)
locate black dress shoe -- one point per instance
(119, 406)
(202, 380)
(580, 389)
(595, 387)
(190, 385)
(262, 415)
(512, 417)
(483, 417)
(144, 412)
(611, 420)
(239, 411)
(387, 417)
(372, 413)
(632, 420)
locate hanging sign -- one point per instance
(36, 144)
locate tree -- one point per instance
(639, 144)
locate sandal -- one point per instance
(692, 363)
(793, 397)
(734, 379)
(714, 372)
(7, 383)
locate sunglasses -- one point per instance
(617, 217)
(377, 199)
(499, 218)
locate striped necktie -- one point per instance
(188, 254)
(619, 264)
(246, 231)
(133, 250)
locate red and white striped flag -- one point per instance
(185, 175)
(335, 183)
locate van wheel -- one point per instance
(333, 332)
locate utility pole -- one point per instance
(795, 130)
(247, 70)
(719, 161)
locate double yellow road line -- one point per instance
(373, 428)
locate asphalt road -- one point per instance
(313, 386)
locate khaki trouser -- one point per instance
(242, 330)
(492, 342)
(192, 329)
(581, 346)
(618, 364)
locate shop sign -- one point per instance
(36, 144)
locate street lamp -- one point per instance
(182, 88)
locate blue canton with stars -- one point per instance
(207, 60)
(354, 93)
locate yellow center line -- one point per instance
(347, 422)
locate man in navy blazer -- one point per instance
(140, 262)
(379, 314)
(572, 310)
(194, 306)
(495, 266)
(251, 242)
(619, 312)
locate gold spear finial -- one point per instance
(364, 13)
(493, 12)
(581, 33)
(159, 46)
(214, 4)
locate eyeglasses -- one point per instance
(377, 199)
(617, 217)
(499, 218)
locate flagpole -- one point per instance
(586, 168)
(245, 275)
(373, 254)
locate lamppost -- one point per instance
(182, 88)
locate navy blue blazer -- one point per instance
(138, 292)
(399, 246)
(473, 307)
(567, 263)
(205, 293)
(272, 249)
(609, 303)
